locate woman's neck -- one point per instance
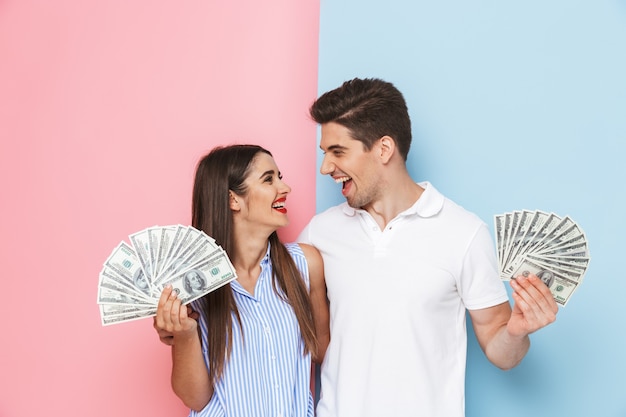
(249, 252)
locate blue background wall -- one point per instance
(515, 105)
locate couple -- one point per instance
(398, 264)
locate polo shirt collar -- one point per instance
(429, 204)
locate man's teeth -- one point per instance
(342, 179)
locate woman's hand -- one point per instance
(173, 319)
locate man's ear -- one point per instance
(387, 147)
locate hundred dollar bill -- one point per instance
(576, 264)
(536, 226)
(111, 279)
(579, 261)
(175, 241)
(195, 282)
(506, 231)
(115, 309)
(578, 240)
(110, 316)
(168, 234)
(124, 262)
(545, 244)
(133, 276)
(560, 287)
(183, 240)
(521, 223)
(154, 238)
(573, 274)
(499, 230)
(201, 250)
(570, 249)
(513, 226)
(550, 223)
(521, 228)
(107, 295)
(565, 230)
(541, 227)
(142, 245)
(184, 254)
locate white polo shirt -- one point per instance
(398, 299)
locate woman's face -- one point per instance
(265, 200)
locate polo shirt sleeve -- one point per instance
(479, 283)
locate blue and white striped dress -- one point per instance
(268, 375)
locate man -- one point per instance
(403, 264)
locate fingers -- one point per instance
(178, 312)
(163, 309)
(173, 319)
(159, 322)
(535, 301)
(168, 309)
(164, 336)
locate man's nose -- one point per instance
(327, 166)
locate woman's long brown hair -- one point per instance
(221, 170)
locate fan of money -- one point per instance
(552, 247)
(134, 275)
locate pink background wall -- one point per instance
(105, 107)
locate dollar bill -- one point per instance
(134, 275)
(560, 287)
(207, 276)
(544, 244)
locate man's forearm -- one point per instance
(506, 351)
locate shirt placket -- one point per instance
(269, 337)
(380, 238)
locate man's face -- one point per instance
(351, 165)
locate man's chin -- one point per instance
(352, 203)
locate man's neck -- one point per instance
(394, 200)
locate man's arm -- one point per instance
(503, 333)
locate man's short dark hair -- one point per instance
(370, 108)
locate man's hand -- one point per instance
(534, 306)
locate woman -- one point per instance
(249, 351)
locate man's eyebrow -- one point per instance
(334, 148)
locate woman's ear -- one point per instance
(233, 202)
